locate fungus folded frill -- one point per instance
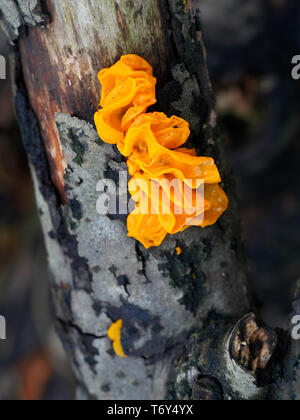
(146, 146)
(128, 89)
(146, 228)
(171, 186)
(168, 206)
(170, 133)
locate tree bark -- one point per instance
(175, 309)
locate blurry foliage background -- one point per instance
(250, 44)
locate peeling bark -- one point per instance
(16, 13)
(174, 308)
(62, 60)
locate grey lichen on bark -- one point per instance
(155, 323)
(166, 296)
(16, 13)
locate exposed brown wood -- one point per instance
(60, 60)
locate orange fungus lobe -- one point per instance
(114, 334)
(168, 180)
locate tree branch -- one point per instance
(167, 297)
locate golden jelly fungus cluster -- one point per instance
(152, 143)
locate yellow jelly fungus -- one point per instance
(178, 250)
(153, 145)
(175, 212)
(128, 89)
(114, 333)
(146, 152)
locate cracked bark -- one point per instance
(175, 309)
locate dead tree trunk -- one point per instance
(175, 309)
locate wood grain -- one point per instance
(61, 61)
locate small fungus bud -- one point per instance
(178, 251)
(114, 334)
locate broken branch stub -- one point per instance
(224, 360)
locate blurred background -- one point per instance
(250, 44)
